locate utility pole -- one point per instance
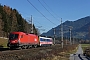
(61, 32)
(66, 40)
(31, 25)
(54, 36)
(70, 34)
(73, 39)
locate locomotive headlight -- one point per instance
(15, 41)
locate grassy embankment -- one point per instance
(84, 46)
(65, 54)
(86, 49)
(3, 42)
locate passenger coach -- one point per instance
(44, 41)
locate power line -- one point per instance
(39, 23)
(47, 10)
(41, 13)
(50, 8)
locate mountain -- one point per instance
(79, 29)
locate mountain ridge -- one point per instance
(80, 28)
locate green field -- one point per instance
(84, 46)
(3, 42)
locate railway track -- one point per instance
(3, 50)
(33, 53)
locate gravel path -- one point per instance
(78, 55)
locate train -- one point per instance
(44, 41)
(24, 40)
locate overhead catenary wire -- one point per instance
(48, 10)
(36, 22)
(40, 23)
(41, 13)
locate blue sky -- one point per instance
(66, 9)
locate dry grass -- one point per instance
(54, 52)
(3, 42)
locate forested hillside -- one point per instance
(11, 20)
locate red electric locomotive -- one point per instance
(22, 40)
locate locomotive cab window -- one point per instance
(13, 36)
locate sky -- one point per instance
(47, 14)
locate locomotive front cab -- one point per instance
(13, 40)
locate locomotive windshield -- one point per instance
(13, 36)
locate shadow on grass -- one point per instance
(2, 48)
